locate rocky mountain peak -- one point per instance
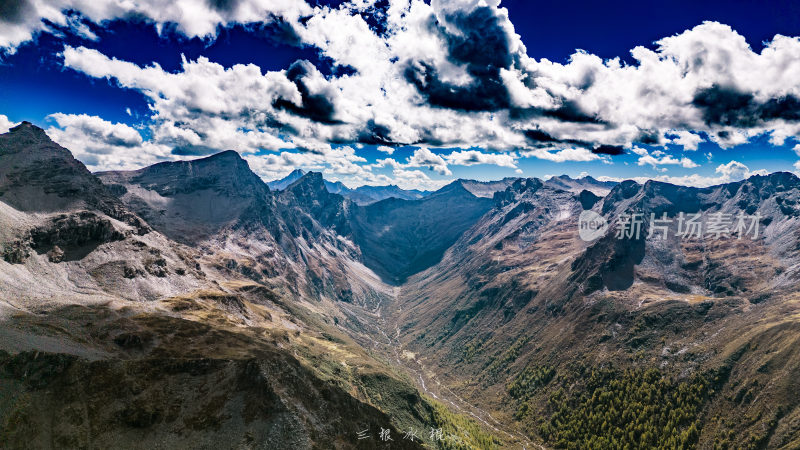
(310, 183)
(27, 137)
(229, 156)
(309, 195)
(27, 127)
(225, 173)
(297, 173)
(517, 189)
(37, 174)
(777, 181)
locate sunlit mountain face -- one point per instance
(399, 224)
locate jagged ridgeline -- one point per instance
(192, 304)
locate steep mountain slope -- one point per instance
(524, 319)
(63, 231)
(154, 380)
(217, 204)
(399, 238)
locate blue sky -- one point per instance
(416, 93)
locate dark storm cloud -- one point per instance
(13, 11)
(541, 138)
(316, 107)
(787, 108)
(223, 5)
(282, 32)
(193, 150)
(612, 150)
(571, 112)
(375, 134)
(568, 111)
(482, 48)
(483, 44)
(728, 106)
(650, 138)
(481, 95)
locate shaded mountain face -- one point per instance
(393, 237)
(399, 238)
(309, 198)
(191, 200)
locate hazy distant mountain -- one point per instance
(486, 189)
(588, 183)
(279, 185)
(362, 195)
(372, 194)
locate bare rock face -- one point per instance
(75, 230)
(309, 196)
(16, 252)
(55, 255)
(64, 237)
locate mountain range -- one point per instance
(191, 304)
(362, 195)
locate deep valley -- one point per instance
(191, 305)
